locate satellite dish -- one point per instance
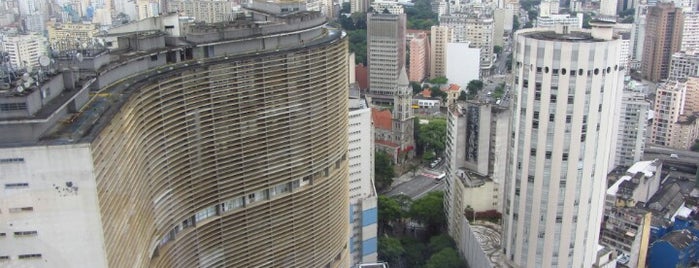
(84, 45)
(44, 60)
(20, 89)
(25, 76)
(27, 84)
(79, 57)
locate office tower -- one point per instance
(625, 54)
(34, 23)
(638, 34)
(554, 20)
(633, 125)
(607, 8)
(393, 7)
(362, 194)
(70, 36)
(675, 122)
(419, 57)
(568, 85)
(24, 50)
(214, 152)
(386, 54)
(684, 64)
(478, 135)
(440, 36)
(548, 8)
(209, 11)
(478, 30)
(665, 22)
(359, 6)
(690, 32)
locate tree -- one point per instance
(416, 87)
(389, 211)
(462, 96)
(390, 249)
(432, 135)
(383, 170)
(497, 49)
(412, 167)
(515, 24)
(528, 25)
(345, 8)
(587, 17)
(415, 252)
(441, 80)
(473, 87)
(695, 147)
(429, 210)
(532, 14)
(439, 242)
(446, 258)
(438, 93)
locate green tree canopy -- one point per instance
(473, 87)
(695, 146)
(429, 210)
(389, 211)
(432, 135)
(462, 96)
(438, 93)
(345, 7)
(446, 258)
(383, 170)
(439, 242)
(497, 49)
(441, 80)
(390, 249)
(416, 253)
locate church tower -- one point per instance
(403, 117)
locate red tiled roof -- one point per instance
(382, 119)
(427, 93)
(387, 143)
(454, 87)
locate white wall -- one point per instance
(65, 215)
(462, 63)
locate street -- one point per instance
(418, 185)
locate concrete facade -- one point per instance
(385, 54)
(24, 50)
(562, 146)
(419, 58)
(459, 65)
(683, 65)
(440, 37)
(633, 125)
(674, 124)
(690, 32)
(478, 30)
(209, 11)
(665, 22)
(362, 194)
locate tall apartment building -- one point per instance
(362, 194)
(440, 36)
(638, 34)
(684, 64)
(478, 30)
(554, 20)
(569, 85)
(690, 32)
(419, 57)
(393, 7)
(359, 6)
(194, 154)
(209, 11)
(664, 20)
(633, 125)
(385, 54)
(675, 123)
(69, 36)
(24, 50)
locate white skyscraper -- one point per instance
(363, 210)
(24, 50)
(567, 86)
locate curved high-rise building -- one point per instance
(568, 87)
(224, 147)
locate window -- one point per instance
(16, 185)
(26, 233)
(11, 160)
(29, 256)
(3, 258)
(15, 106)
(22, 209)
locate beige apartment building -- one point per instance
(676, 106)
(440, 36)
(68, 36)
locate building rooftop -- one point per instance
(680, 239)
(571, 36)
